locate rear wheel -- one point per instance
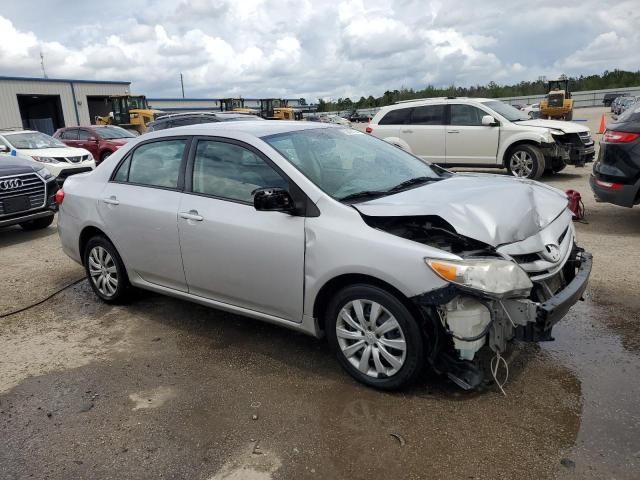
(375, 337)
(525, 161)
(105, 270)
(38, 223)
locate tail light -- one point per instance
(368, 130)
(610, 185)
(611, 136)
(59, 197)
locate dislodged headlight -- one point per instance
(44, 173)
(494, 277)
(45, 159)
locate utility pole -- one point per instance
(182, 84)
(44, 73)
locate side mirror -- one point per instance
(3, 148)
(489, 121)
(273, 200)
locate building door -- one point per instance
(41, 112)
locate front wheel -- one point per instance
(525, 161)
(105, 270)
(375, 337)
(104, 156)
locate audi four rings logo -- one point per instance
(10, 184)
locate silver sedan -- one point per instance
(332, 232)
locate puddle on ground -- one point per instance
(608, 440)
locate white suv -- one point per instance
(59, 159)
(484, 133)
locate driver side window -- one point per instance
(229, 171)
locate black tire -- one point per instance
(104, 156)
(123, 287)
(558, 166)
(414, 353)
(569, 116)
(538, 163)
(38, 223)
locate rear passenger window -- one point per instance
(428, 115)
(400, 116)
(71, 134)
(155, 164)
(230, 171)
(466, 115)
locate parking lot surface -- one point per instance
(163, 388)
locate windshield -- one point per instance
(507, 111)
(109, 133)
(33, 140)
(343, 162)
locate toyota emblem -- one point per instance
(10, 184)
(551, 252)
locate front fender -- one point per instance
(524, 137)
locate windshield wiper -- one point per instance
(412, 182)
(363, 195)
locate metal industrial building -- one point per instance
(46, 104)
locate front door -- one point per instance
(468, 141)
(139, 206)
(231, 252)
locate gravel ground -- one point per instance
(162, 388)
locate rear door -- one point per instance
(468, 141)
(70, 137)
(88, 141)
(139, 207)
(233, 253)
(425, 133)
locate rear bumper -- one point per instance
(624, 196)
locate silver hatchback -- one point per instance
(326, 230)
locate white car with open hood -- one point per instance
(483, 132)
(61, 160)
(324, 229)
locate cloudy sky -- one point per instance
(315, 48)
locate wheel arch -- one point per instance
(509, 148)
(86, 234)
(332, 286)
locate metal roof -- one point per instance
(65, 80)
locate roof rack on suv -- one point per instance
(421, 99)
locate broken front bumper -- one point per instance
(535, 325)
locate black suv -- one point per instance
(193, 118)
(27, 193)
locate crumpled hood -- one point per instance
(493, 209)
(566, 127)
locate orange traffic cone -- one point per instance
(602, 125)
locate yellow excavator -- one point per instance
(131, 112)
(558, 102)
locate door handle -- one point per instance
(191, 215)
(407, 131)
(453, 131)
(112, 200)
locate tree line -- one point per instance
(613, 79)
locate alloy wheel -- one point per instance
(103, 271)
(521, 164)
(371, 338)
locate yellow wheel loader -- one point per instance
(558, 103)
(131, 112)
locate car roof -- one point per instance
(11, 131)
(255, 128)
(427, 101)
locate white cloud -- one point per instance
(317, 48)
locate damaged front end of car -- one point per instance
(495, 293)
